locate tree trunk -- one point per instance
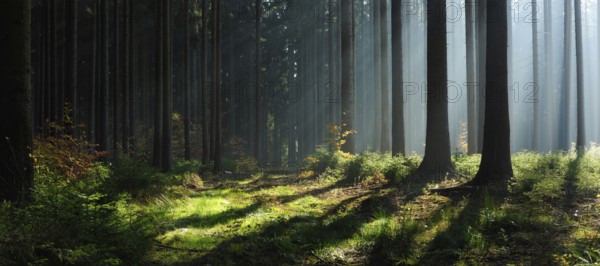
(332, 86)
(205, 84)
(217, 80)
(536, 79)
(549, 76)
(377, 88)
(495, 161)
(437, 161)
(471, 77)
(16, 169)
(117, 75)
(103, 90)
(385, 108)
(71, 64)
(126, 74)
(167, 149)
(564, 140)
(257, 119)
(158, 94)
(481, 68)
(187, 79)
(348, 101)
(580, 81)
(398, 134)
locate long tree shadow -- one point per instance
(207, 221)
(570, 185)
(445, 246)
(294, 241)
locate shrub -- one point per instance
(72, 224)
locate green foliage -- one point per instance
(72, 224)
(370, 164)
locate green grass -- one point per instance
(332, 218)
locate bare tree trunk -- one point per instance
(186, 93)
(385, 106)
(398, 134)
(549, 76)
(158, 94)
(564, 140)
(103, 90)
(348, 101)
(495, 162)
(257, 119)
(71, 63)
(437, 161)
(471, 77)
(217, 80)
(580, 81)
(16, 169)
(205, 84)
(536, 79)
(377, 88)
(167, 149)
(117, 75)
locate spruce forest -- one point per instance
(299, 132)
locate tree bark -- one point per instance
(437, 161)
(348, 101)
(398, 134)
(564, 140)
(103, 90)
(377, 88)
(495, 161)
(257, 119)
(385, 106)
(187, 79)
(71, 63)
(471, 77)
(580, 81)
(205, 84)
(217, 167)
(158, 94)
(167, 149)
(16, 167)
(536, 79)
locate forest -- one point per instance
(299, 132)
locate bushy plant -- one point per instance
(72, 224)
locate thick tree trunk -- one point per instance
(16, 167)
(550, 135)
(481, 69)
(495, 162)
(331, 64)
(117, 75)
(126, 75)
(580, 81)
(398, 134)
(437, 161)
(348, 101)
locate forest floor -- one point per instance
(549, 214)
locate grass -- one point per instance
(330, 217)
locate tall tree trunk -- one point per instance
(217, 80)
(385, 106)
(257, 119)
(158, 94)
(481, 68)
(348, 101)
(205, 83)
(103, 90)
(331, 64)
(471, 77)
(186, 86)
(16, 143)
(549, 76)
(436, 162)
(536, 79)
(398, 134)
(71, 63)
(580, 81)
(117, 75)
(377, 88)
(94, 75)
(132, 81)
(495, 161)
(564, 140)
(167, 149)
(126, 75)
